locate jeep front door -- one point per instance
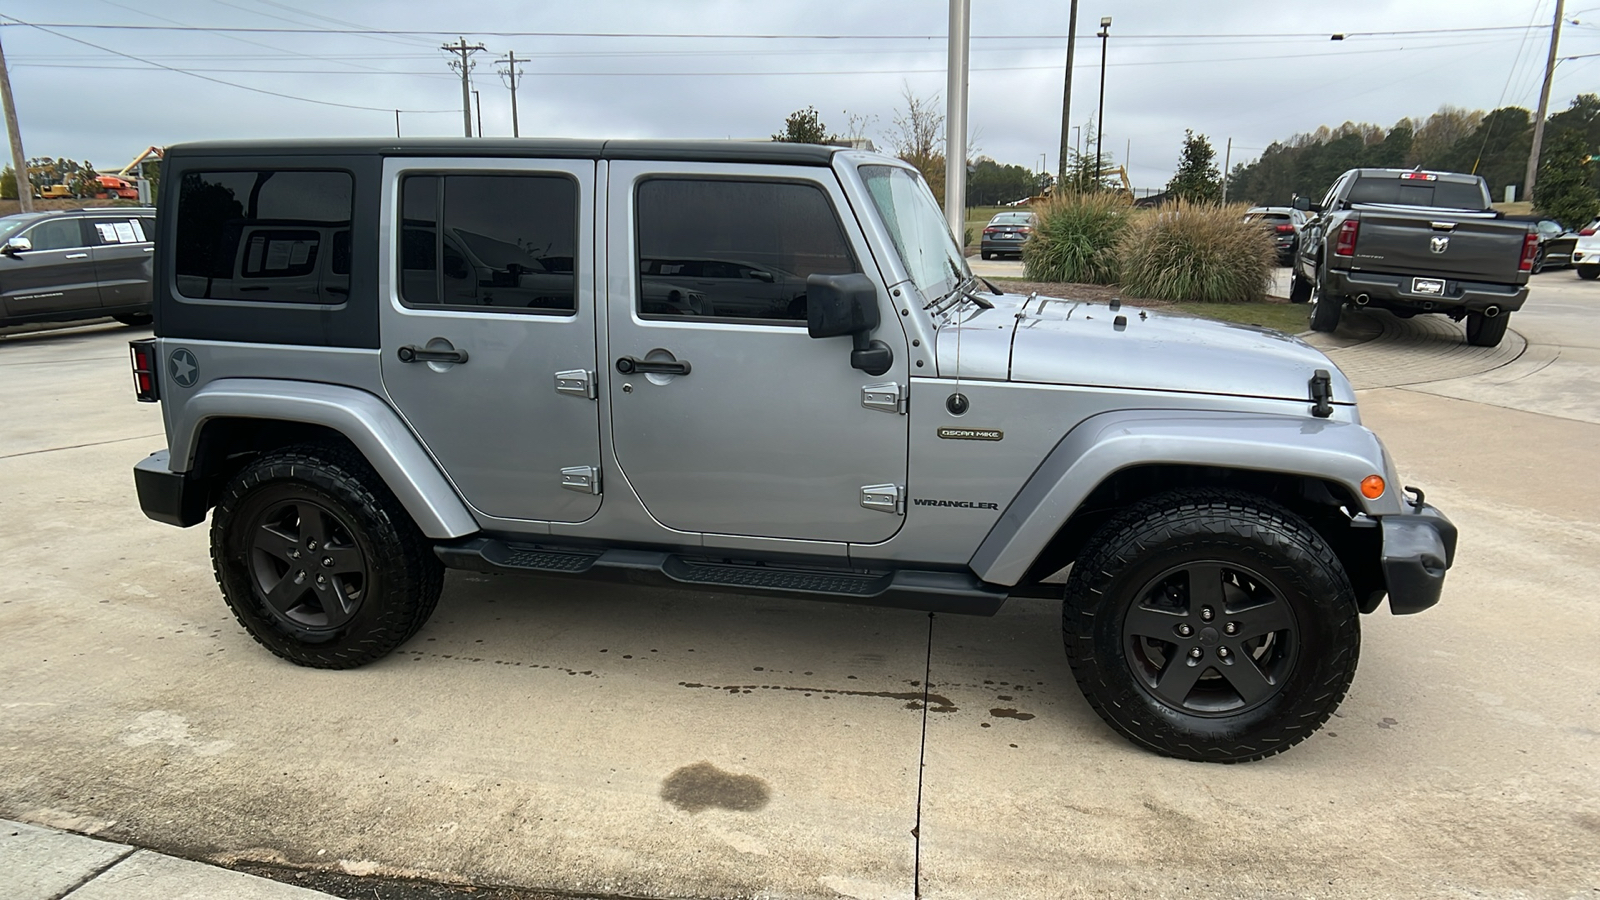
(489, 328)
(727, 417)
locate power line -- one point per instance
(244, 87)
(1320, 35)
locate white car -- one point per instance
(1586, 254)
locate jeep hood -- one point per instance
(1051, 340)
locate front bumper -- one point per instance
(1418, 546)
(1395, 291)
(168, 496)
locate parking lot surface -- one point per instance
(611, 740)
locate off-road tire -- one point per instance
(1325, 313)
(1483, 331)
(1299, 288)
(1314, 659)
(401, 579)
(135, 319)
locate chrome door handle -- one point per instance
(76, 256)
(409, 353)
(627, 365)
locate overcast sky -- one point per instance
(1253, 70)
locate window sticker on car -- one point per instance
(108, 232)
(138, 230)
(125, 233)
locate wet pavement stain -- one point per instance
(418, 655)
(703, 786)
(1010, 714)
(936, 702)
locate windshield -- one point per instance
(10, 225)
(918, 230)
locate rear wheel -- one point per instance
(1212, 626)
(1483, 331)
(1589, 273)
(135, 318)
(318, 560)
(985, 254)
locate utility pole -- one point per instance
(477, 100)
(1544, 106)
(511, 75)
(955, 124)
(20, 162)
(465, 64)
(1066, 91)
(397, 123)
(1227, 158)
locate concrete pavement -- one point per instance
(672, 744)
(45, 864)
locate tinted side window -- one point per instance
(55, 234)
(263, 235)
(734, 249)
(502, 241)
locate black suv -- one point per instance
(76, 264)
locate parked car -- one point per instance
(76, 264)
(1414, 242)
(908, 437)
(1586, 251)
(1284, 222)
(1007, 233)
(1555, 246)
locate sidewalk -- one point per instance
(43, 864)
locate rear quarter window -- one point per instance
(273, 235)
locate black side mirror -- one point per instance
(1302, 204)
(838, 305)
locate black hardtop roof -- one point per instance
(532, 148)
(1460, 177)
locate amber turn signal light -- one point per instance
(1372, 487)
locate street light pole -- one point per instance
(955, 123)
(1100, 132)
(1066, 88)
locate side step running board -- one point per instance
(951, 592)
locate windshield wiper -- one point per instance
(966, 291)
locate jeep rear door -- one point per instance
(728, 418)
(489, 294)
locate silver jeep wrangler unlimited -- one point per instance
(758, 368)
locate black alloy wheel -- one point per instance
(319, 561)
(1211, 625)
(1208, 639)
(305, 565)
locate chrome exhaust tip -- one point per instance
(1491, 312)
(1363, 299)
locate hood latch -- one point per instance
(1321, 394)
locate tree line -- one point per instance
(1494, 144)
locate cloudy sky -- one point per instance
(1252, 70)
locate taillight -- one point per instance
(1347, 239)
(990, 230)
(1530, 251)
(1025, 230)
(1587, 232)
(1285, 229)
(144, 370)
(1420, 176)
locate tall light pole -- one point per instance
(1100, 132)
(24, 183)
(955, 124)
(511, 74)
(1066, 90)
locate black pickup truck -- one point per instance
(1413, 242)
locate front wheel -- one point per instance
(1483, 331)
(1212, 626)
(318, 560)
(1325, 313)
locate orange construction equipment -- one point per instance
(113, 187)
(128, 169)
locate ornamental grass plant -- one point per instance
(1076, 239)
(1203, 253)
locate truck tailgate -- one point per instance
(1442, 245)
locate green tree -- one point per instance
(8, 183)
(918, 139)
(1562, 190)
(1197, 179)
(803, 127)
